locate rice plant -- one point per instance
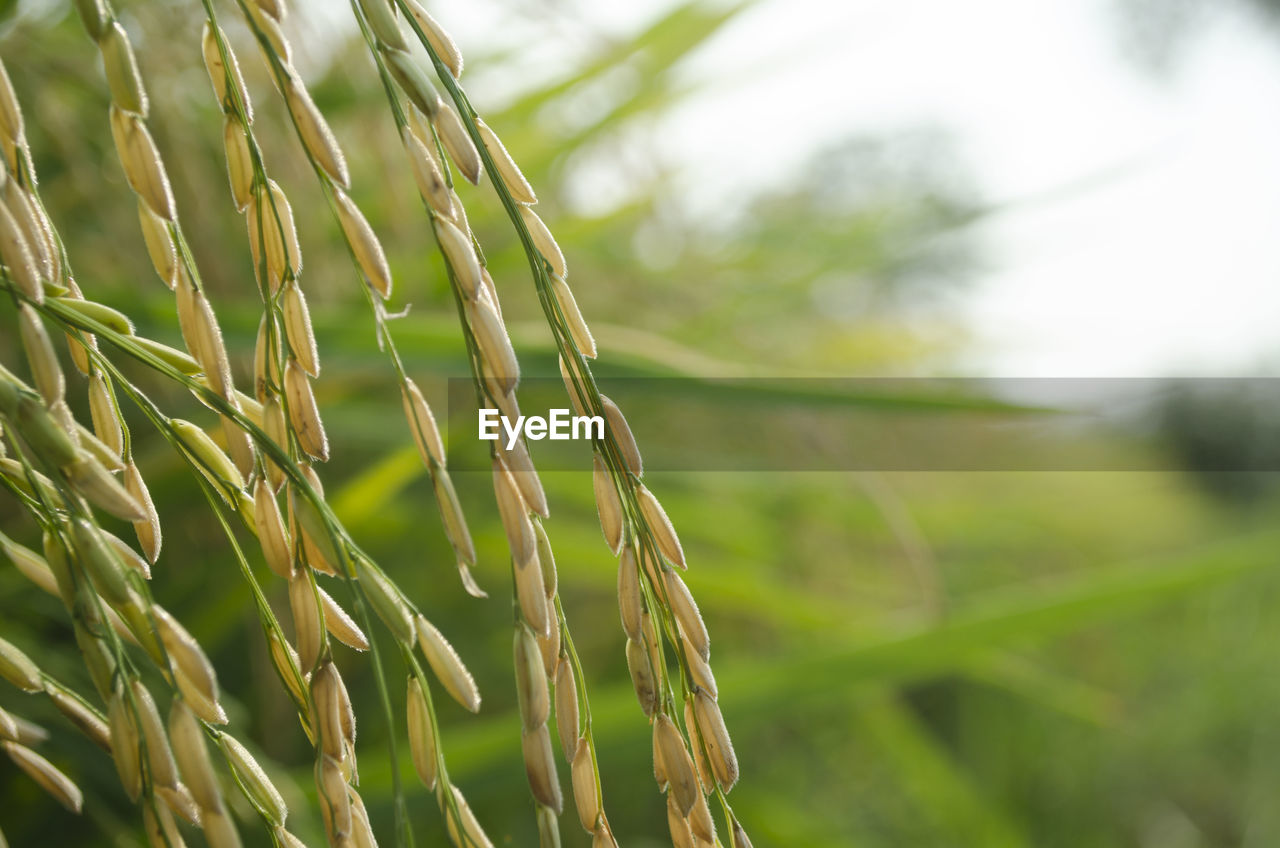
(156, 709)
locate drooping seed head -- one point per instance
(699, 670)
(460, 254)
(186, 654)
(18, 256)
(705, 777)
(681, 836)
(219, 71)
(422, 424)
(422, 735)
(193, 757)
(161, 767)
(457, 142)
(381, 17)
(102, 410)
(82, 716)
(515, 515)
(608, 505)
(520, 464)
(642, 676)
(307, 627)
(90, 478)
(273, 237)
(314, 131)
(455, 523)
(660, 525)
(687, 615)
(204, 337)
(447, 665)
(268, 26)
(208, 709)
(101, 562)
(94, 446)
(579, 332)
(271, 531)
(297, 328)
(364, 243)
(508, 170)
(470, 826)
(210, 460)
(534, 607)
(41, 356)
(10, 113)
(147, 529)
(630, 604)
(43, 772)
(567, 719)
(549, 647)
(720, 753)
(388, 603)
(659, 765)
(235, 145)
(544, 241)
(155, 233)
(413, 81)
(304, 414)
(427, 175)
(181, 803)
(266, 368)
(273, 423)
(35, 229)
(262, 792)
(44, 432)
(122, 70)
(621, 432)
(335, 805)
(540, 767)
(650, 641)
(31, 564)
(141, 160)
(567, 373)
(340, 624)
(324, 692)
(318, 544)
(498, 355)
(677, 766)
(547, 560)
(287, 665)
(531, 679)
(439, 41)
(126, 748)
(243, 451)
(586, 793)
(97, 655)
(700, 822)
(171, 357)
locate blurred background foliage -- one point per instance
(978, 659)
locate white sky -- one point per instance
(1169, 265)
